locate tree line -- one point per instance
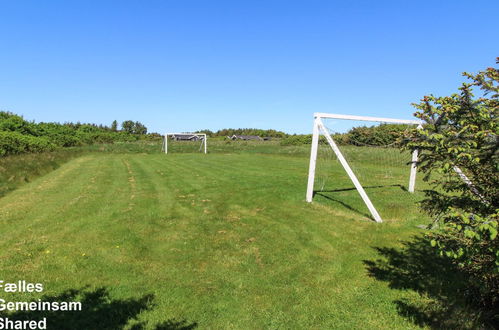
(244, 131)
(380, 135)
(18, 135)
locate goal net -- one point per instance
(364, 150)
(185, 143)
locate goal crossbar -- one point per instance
(320, 128)
(366, 118)
(203, 136)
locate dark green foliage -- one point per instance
(139, 128)
(294, 140)
(380, 135)
(128, 126)
(61, 135)
(208, 132)
(16, 143)
(18, 135)
(462, 133)
(245, 131)
(132, 127)
(114, 126)
(14, 123)
(152, 137)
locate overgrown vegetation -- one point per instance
(459, 144)
(18, 136)
(132, 127)
(296, 139)
(378, 135)
(16, 143)
(16, 170)
(244, 131)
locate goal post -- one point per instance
(186, 137)
(319, 129)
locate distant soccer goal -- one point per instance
(371, 147)
(185, 142)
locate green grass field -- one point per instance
(222, 240)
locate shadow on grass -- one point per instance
(98, 311)
(365, 187)
(345, 205)
(327, 195)
(442, 285)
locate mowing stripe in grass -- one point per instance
(222, 240)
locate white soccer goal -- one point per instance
(319, 128)
(197, 141)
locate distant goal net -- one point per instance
(185, 143)
(366, 149)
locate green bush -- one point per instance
(12, 143)
(461, 136)
(295, 140)
(20, 136)
(10, 122)
(381, 135)
(151, 137)
(245, 131)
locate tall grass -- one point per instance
(16, 170)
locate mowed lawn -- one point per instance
(213, 241)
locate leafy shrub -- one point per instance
(61, 135)
(461, 136)
(244, 131)
(13, 123)
(151, 137)
(19, 135)
(12, 143)
(381, 135)
(295, 140)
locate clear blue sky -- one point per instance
(187, 65)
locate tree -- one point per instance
(208, 132)
(128, 126)
(459, 155)
(139, 128)
(114, 126)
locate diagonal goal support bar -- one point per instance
(350, 173)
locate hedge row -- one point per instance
(12, 143)
(381, 135)
(21, 136)
(295, 140)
